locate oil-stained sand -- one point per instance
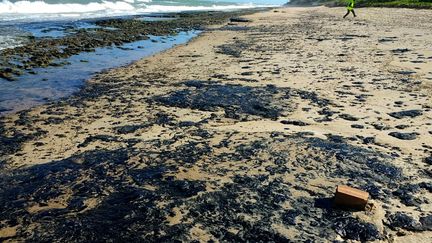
(240, 135)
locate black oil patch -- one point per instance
(235, 100)
(134, 200)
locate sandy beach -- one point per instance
(242, 134)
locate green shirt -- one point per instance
(350, 5)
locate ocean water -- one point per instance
(53, 83)
(14, 14)
(22, 10)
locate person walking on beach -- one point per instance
(350, 8)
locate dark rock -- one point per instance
(357, 126)
(313, 97)
(402, 126)
(326, 112)
(387, 39)
(146, 175)
(161, 119)
(426, 222)
(354, 156)
(369, 140)
(408, 113)
(401, 220)
(353, 229)
(239, 19)
(10, 144)
(374, 191)
(235, 49)
(234, 27)
(187, 124)
(405, 72)
(38, 144)
(426, 185)
(295, 123)
(385, 169)
(198, 83)
(404, 136)
(401, 50)
(335, 138)
(129, 128)
(185, 188)
(8, 75)
(428, 160)
(289, 217)
(220, 76)
(406, 194)
(380, 127)
(53, 120)
(246, 73)
(103, 138)
(348, 117)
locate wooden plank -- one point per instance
(350, 197)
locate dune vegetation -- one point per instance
(423, 4)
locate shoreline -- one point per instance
(45, 52)
(55, 83)
(240, 134)
(21, 67)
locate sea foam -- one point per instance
(38, 7)
(39, 10)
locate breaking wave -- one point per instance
(49, 9)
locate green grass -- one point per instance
(420, 4)
(397, 3)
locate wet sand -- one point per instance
(240, 135)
